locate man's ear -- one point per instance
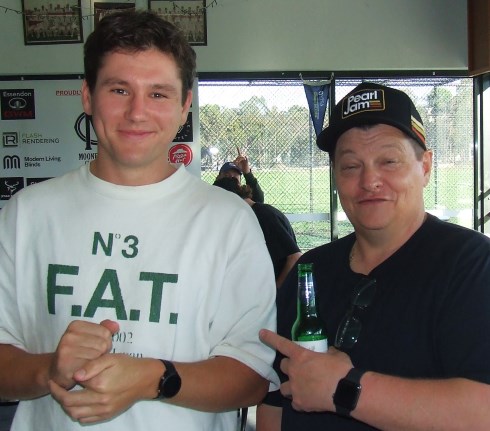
(86, 98)
(186, 106)
(427, 165)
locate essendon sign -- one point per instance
(18, 104)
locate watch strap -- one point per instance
(169, 367)
(353, 376)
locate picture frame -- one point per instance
(47, 22)
(101, 9)
(188, 15)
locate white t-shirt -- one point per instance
(181, 265)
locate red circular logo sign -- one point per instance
(180, 153)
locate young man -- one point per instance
(405, 298)
(123, 305)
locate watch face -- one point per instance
(171, 385)
(347, 394)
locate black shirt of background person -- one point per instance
(278, 233)
(257, 193)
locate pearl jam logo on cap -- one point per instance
(362, 101)
(371, 103)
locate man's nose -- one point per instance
(371, 179)
(136, 107)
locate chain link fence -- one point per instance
(269, 121)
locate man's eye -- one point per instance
(349, 167)
(118, 91)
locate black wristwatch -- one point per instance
(348, 392)
(170, 382)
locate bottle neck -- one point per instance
(306, 296)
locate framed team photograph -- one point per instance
(188, 15)
(51, 22)
(101, 9)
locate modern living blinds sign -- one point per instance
(45, 133)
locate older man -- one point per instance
(405, 298)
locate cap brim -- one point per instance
(328, 137)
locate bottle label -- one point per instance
(320, 346)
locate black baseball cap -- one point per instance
(227, 166)
(371, 103)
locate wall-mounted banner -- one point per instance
(45, 133)
(317, 94)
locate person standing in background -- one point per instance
(278, 232)
(238, 167)
(120, 308)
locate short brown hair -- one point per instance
(134, 31)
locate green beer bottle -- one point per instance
(308, 330)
